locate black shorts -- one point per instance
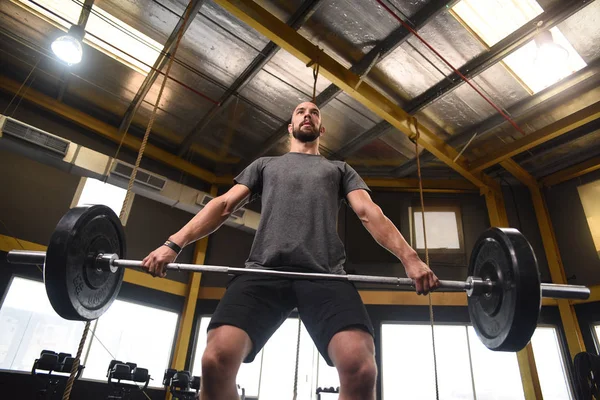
(259, 305)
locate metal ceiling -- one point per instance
(232, 90)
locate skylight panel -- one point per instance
(126, 44)
(538, 64)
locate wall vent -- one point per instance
(35, 136)
(142, 177)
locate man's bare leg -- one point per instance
(226, 349)
(353, 354)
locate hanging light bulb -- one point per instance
(68, 47)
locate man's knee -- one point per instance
(225, 350)
(353, 353)
(358, 371)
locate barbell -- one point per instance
(83, 272)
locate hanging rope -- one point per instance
(297, 359)
(416, 124)
(69, 386)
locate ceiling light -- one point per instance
(548, 50)
(68, 47)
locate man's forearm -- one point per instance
(208, 220)
(386, 233)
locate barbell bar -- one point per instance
(473, 286)
(85, 263)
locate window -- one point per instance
(93, 191)
(104, 26)
(271, 375)
(465, 366)
(589, 194)
(29, 324)
(445, 240)
(132, 333)
(538, 65)
(550, 364)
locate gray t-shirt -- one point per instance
(301, 195)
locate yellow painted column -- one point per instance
(186, 321)
(527, 367)
(557, 272)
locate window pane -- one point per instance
(327, 376)
(488, 365)
(597, 332)
(549, 364)
(29, 324)
(132, 333)
(442, 230)
(279, 361)
(98, 192)
(407, 358)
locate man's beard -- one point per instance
(306, 136)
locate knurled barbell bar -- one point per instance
(83, 272)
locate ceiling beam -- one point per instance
(593, 164)
(549, 18)
(569, 88)
(567, 124)
(161, 61)
(110, 132)
(411, 184)
(290, 40)
(302, 14)
(366, 63)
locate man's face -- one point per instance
(306, 123)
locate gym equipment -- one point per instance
(181, 384)
(51, 370)
(123, 379)
(83, 272)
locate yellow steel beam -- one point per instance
(110, 132)
(382, 297)
(520, 173)
(575, 171)
(189, 308)
(430, 184)
(538, 137)
(527, 367)
(557, 272)
(287, 38)
(186, 319)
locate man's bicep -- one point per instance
(359, 201)
(237, 196)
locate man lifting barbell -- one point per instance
(301, 193)
(84, 269)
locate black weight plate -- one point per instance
(76, 290)
(505, 319)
